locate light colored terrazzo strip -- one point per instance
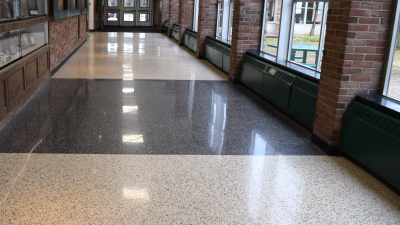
(151, 189)
(134, 56)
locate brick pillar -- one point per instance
(186, 8)
(246, 32)
(173, 14)
(207, 23)
(164, 12)
(354, 51)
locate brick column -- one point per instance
(164, 12)
(173, 14)
(354, 52)
(207, 23)
(186, 8)
(246, 32)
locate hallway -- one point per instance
(134, 129)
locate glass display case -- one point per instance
(17, 43)
(9, 47)
(20, 9)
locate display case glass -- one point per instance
(17, 43)
(9, 47)
(33, 37)
(16, 9)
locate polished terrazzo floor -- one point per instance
(130, 56)
(106, 149)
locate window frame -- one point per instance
(286, 30)
(392, 37)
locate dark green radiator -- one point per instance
(251, 72)
(276, 85)
(186, 36)
(303, 101)
(175, 32)
(165, 26)
(372, 138)
(193, 42)
(217, 53)
(226, 59)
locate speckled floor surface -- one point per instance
(139, 189)
(137, 56)
(140, 135)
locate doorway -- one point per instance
(128, 13)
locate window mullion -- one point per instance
(284, 40)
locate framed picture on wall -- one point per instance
(32, 6)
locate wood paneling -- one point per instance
(31, 72)
(22, 23)
(15, 84)
(43, 63)
(16, 88)
(2, 94)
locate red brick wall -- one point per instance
(173, 14)
(246, 31)
(64, 37)
(165, 11)
(355, 46)
(186, 16)
(207, 22)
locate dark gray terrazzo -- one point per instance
(174, 117)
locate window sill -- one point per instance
(391, 106)
(289, 66)
(222, 41)
(191, 29)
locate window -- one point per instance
(224, 21)
(220, 18)
(298, 38)
(392, 79)
(144, 4)
(129, 17)
(112, 3)
(230, 21)
(195, 14)
(271, 26)
(112, 16)
(129, 3)
(144, 17)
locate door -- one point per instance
(128, 13)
